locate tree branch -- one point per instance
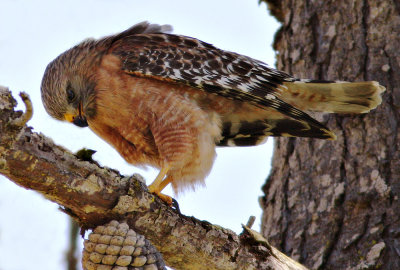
(93, 195)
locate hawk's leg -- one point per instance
(160, 183)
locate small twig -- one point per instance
(28, 113)
(73, 245)
(251, 221)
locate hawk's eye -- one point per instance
(70, 95)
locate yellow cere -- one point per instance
(69, 117)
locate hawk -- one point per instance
(168, 100)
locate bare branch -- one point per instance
(93, 195)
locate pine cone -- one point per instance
(114, 246)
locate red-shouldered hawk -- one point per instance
(167, 100)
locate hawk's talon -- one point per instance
(175, 205)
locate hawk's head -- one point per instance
(68, 85)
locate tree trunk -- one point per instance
(335, 204)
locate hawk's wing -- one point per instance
(198, 64)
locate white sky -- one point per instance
(32, 231)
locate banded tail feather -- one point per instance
(333, 96)
(312, 95)
(256, 132)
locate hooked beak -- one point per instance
(78, 120)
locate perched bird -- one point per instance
(168, 100)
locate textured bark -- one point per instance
(335, 204)
(93, 196)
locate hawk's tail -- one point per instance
(250, 133)
(333, 96)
